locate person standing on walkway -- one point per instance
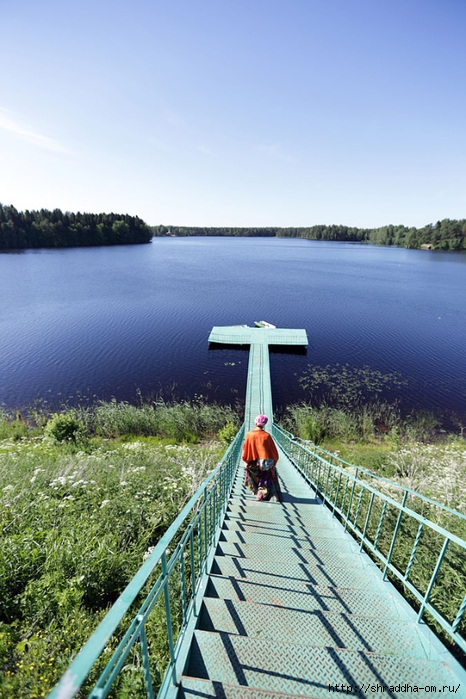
(261, 455)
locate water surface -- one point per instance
(113, 321)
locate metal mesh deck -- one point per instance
(292, 608)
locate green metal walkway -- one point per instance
(272, 600)
(258, 388)
(293, 608)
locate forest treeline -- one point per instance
(443, 235)
(55, 229)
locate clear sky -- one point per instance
(236, 112)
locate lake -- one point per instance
(116, 321)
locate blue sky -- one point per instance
(236, 112)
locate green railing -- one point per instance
(401, 536)
(173, 584)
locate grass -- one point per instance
(401, 452)
(83, 499)
(85, 493)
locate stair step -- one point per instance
(307, 556)
(282, 520)
(298, 669)
(317, 628)
(303, 535)
(367, 603)
(296, 576)
(195, 688)
(335, 540)
(296, 507)
(282, 528)
(293, 494)
(278, 511)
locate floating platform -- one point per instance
(258, 389)
(243, 335)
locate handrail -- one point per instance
(395, 535)
(329, 456)
(179, 577)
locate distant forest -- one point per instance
(55, 229)
(443, 235)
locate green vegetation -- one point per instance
(344, 413)
(84, 495)
(443, 235)
(55, 229)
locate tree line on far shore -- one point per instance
(443, 235)
(58, 229)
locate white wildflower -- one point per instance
(148, 553)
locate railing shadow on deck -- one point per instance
(426, 561)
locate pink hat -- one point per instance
(261, 420)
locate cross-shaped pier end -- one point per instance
(258, 389)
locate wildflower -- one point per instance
(148, 553)
(123, 483)
(104, 502)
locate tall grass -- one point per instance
(79, 512)
(187, 421)
(324, 422)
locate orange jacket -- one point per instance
(259, 445)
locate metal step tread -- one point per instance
(281, 520)
(307, 556)
(366, 603)
(292, 668)
(196, 688)
(317, 628)
(267, 513)
(284, 529)
(295, 576)
(293, 493)
(318, 539)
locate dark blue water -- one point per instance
(105, 322)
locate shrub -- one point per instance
(65, 427)
(228, 433)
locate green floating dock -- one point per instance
(259, 390)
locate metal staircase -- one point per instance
(293, 608)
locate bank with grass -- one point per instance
(85, 495)
(87, 492)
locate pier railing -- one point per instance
(160, 605)
(428, 560)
